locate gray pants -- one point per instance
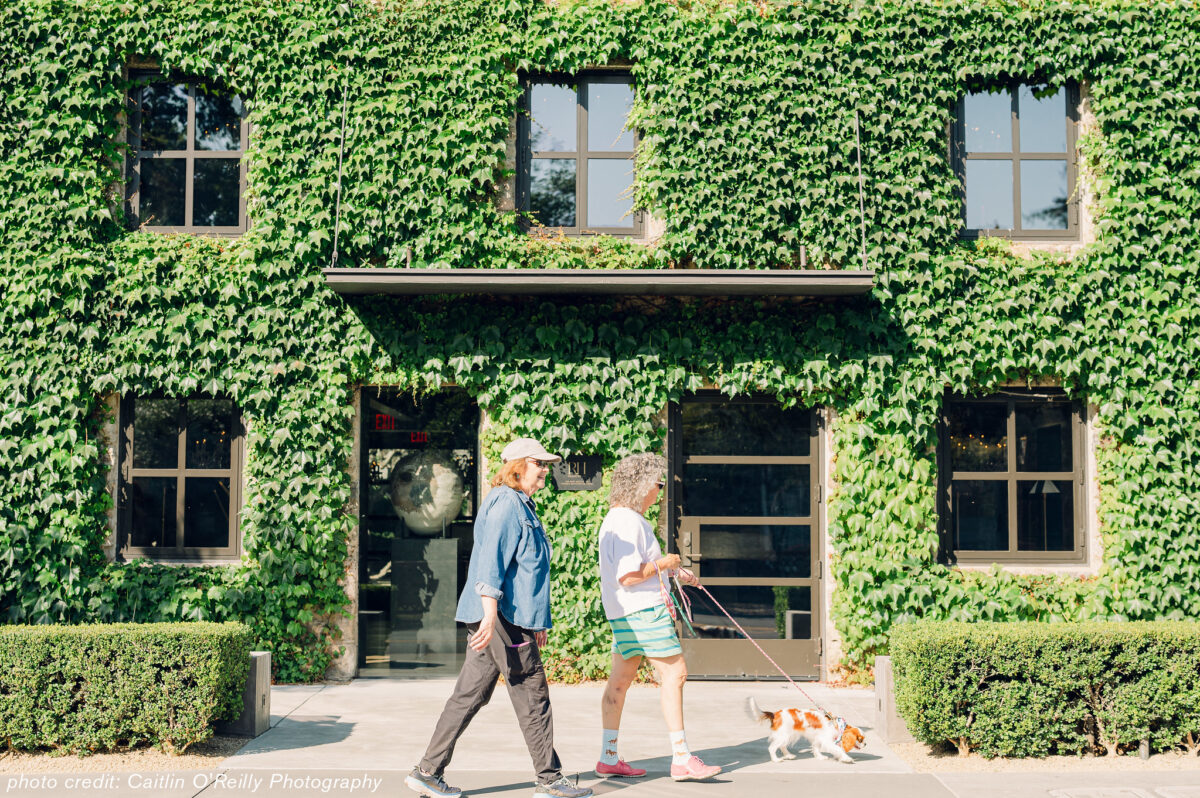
(514, 654)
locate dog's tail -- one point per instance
(757, 713)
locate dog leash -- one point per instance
(841, 722)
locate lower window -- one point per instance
(179, 473)
(1011, 478)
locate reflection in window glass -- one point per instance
(753, 490)
(215, 199)
(608, 107)
(728, 428)
(1045, 515)
(156, 433)
(206, 512)
(610, 192)
(161, 190)
(552, 192)
(766, 613)
(153, 512)
(209, 437)
(164, 117)
(979, 515)
(989, 192)
(758, 551)
(1044, 195)
(987, 117)
(552, 118)
(1042, 119)
(218, 121)
(1044, 437)
(978, 436)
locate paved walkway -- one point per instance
(360, 739)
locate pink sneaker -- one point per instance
(694, 770)
(620, 770)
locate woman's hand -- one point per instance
(668, 562)
(483, 635)
(687, 577)
(540, 638)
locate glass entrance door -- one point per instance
(417, 510)
(744, 492)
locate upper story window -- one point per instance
(186, 171)
(1011, 474)
(575, 154)
(1014, 150)
(179, 467)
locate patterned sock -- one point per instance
(679, 750)
(608, 751)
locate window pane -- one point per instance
(152, 501)
(552, 191)
(206, 512)
(1043, 119)
(161, 190)
(1044, 195)
(989, 195)
(783, 552)
(1044, 437)
(766, 613)
(156, 434)
(754, 490)
(987, 117)
(745, 429)
(215, 197)
(218, 121)
(209, 438)
(1046, 515)
(164, 117)
(979, 515)
(552, 118)
(608, 107)
(978, 436)
(610, 192)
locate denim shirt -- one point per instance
(510, 562)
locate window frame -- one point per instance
(526, 155)
(126, 473)
(959, 159)
(135, 155)
(1012, 555)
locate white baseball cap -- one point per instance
(527, 447)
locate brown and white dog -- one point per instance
(825, 735)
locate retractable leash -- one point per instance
(840, 721)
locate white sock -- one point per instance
(608, 751)
(679, 750)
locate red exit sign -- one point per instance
(386, 423)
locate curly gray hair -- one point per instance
(633, 478)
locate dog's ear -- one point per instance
(851, 738)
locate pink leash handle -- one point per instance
(738, 626)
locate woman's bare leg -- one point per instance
(672, 673)
(624, 671)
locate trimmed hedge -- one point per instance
(1035, 689)
(101, 687)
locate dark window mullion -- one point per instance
(1014, 98)
(581, 148)
(1011, 432)
(189, 168)
(180, 480)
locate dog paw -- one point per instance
(789, 755)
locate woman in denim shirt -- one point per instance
(506, 607)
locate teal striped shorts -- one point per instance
(649, 632)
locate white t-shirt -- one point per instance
(627, 541)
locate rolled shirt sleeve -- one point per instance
(484, 589)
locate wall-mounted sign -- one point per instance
(579, 472)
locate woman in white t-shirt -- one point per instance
(633, 573)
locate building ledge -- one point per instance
(643, 282)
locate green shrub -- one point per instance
(1035, 689)
(100, 687)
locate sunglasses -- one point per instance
(661, 484)
(541, 463)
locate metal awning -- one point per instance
(644, 282)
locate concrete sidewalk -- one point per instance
(361, 739)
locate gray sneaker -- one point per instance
(563, 789)
(433, 786)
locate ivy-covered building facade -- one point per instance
(905, 292)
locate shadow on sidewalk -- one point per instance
(295, 732)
